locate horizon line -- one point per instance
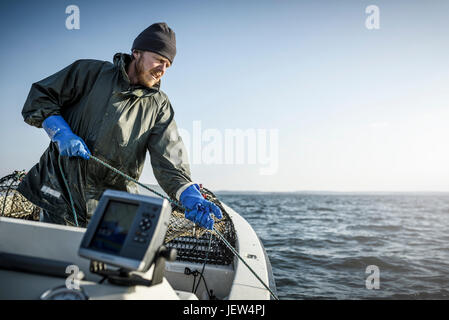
(318, 191)
(333, 191)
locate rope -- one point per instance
(68, 189)
(204, 266)
(222, 238)
(135, 181)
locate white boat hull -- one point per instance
(61, 243)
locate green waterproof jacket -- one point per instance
(119, 122)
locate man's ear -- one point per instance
(136, 53)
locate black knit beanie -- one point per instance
(158, 38)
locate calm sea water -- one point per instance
(320, 245)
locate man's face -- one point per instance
(150, 67)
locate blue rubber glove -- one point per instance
(199, 209)
(69, 144)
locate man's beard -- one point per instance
(144, 77)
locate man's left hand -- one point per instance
(198, 209)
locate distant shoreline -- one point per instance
(312, 192)
(337, 192)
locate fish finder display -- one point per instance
(114, 227)
(126, 230)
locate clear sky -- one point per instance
(347, 108)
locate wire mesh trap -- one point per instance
(12, 203)
(190, 241)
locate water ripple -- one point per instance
(320, 245)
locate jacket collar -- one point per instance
(121, 61)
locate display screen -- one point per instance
(114, 226)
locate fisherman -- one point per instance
(118, 112)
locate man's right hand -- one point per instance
(69, 144)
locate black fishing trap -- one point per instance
(12, 203)
(190, 241)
